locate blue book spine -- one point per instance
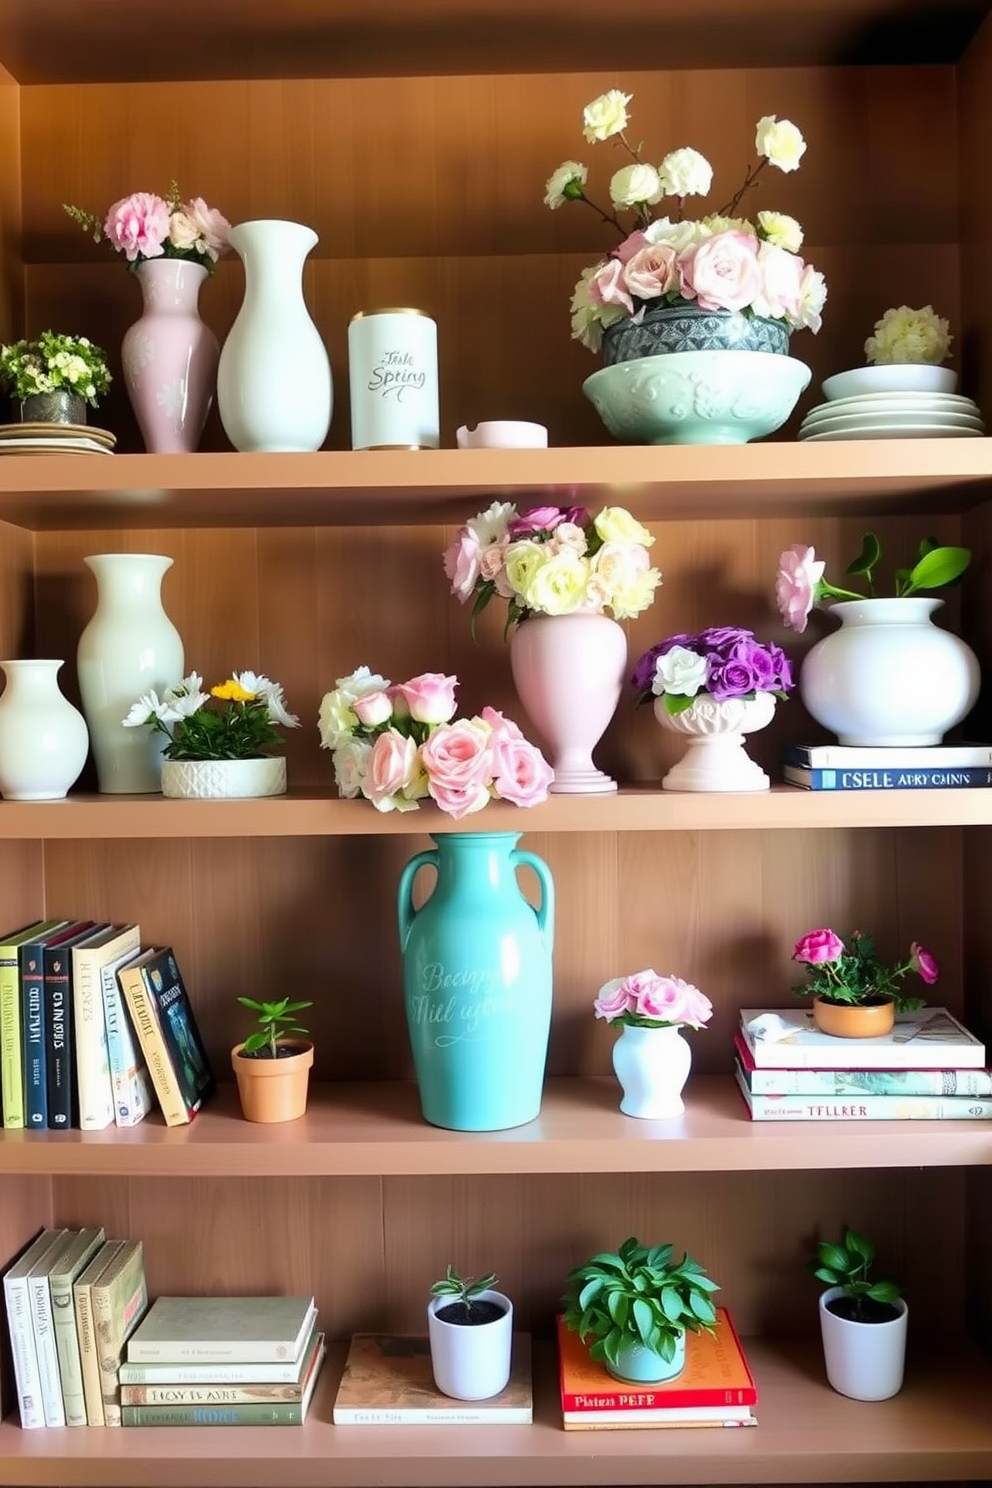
(888, 779)
(32, 964)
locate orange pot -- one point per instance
(273, 1089)
(849, 1020)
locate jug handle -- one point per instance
(407, 913)
(545, 911)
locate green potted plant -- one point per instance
(470, 1329)
(862, 1322)
(54, 377)
(854, 994)
(272, 1065)
(637, 1304)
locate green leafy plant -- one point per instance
(846, 1265)
(465, 1290)
(638, 1294)
(238, 719)
(52, 362)
(275, 1021)
(848, 971)
(800, 583)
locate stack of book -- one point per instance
(222, 1361)
(716, 1387)
(843, 767)
(928, 1068)
(388, 1380)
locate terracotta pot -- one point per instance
(273, 1089)
(852, 1020)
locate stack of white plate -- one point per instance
(55, 439)
(895, 416)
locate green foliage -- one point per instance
(935, 568)
(457, 1289)
(223, 729)
(52, 362)
(846, 1265)
(275, 1021)
(859, 977)
(638, 1294)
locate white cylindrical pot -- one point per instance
(129, 647)
(890, 676)
(652, 1065)
(224, 780)
(392, 374)
(471, 1362)
(43, 738)
(864, 1360)
(714, 729)
(274, 389)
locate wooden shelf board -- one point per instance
(937, 1429)
(638, 808)
(377, 1129)
(376, 487)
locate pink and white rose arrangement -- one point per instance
(553, 560)
(800, 583)
(850, 973)
(397, 744)
(144, 226)
(646, 1000)
(721, 261)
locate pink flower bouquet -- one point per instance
(647, 1000)
(398, 744)
(850, 973)
(143, 226)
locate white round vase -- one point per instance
(129, 647)
(864, 1361)
(43, 738)
(274, 389)
(715, 758)
(224, 780)
(652, 1065)
(890, 676)
(471, 1362)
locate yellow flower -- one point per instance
(232, 692)
(782, 230)
(615, 524)
(906, 335)
(558, 586)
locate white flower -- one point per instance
(709, 226)
(606, 115)
(633, 184)
(588, 317)
(272, 695)
(780, 142)
(905, 335)
(183, 705)
(686, 173)
(572, 173)
(781, 230)
(812, 298)
(336, 720)
(144, 710)
(679, 671)
(491, 525)
(681, 235)
(350, 761)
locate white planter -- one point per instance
(43, 738)
(471, 1363)
(274, 389)
(224, 780)
(864, 1360)
(715, 759)
(652, 1065)
(889, 677)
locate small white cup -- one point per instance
(503, 434)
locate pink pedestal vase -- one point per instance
(170, 357)
(569, 672)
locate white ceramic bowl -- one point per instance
(503, 434)
(900, 377)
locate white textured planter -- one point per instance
(864, 1360)
(224, 780)
(652, 1065)
(715, 759)
(43, 738)
(471, 1363)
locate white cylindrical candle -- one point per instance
(392, 371)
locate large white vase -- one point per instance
(889, 676)
(652, 1065)
(274, 389)
(129, 647)
(43, 738)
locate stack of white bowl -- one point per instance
(906, 401)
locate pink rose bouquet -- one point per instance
(143, 226)
(553, 560)
(800, 584)
(850, 973)
(647, 1000)
(721, 261)
(398, 744)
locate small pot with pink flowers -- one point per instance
(854, 994)
(651, 1059)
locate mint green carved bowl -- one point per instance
(697, 397)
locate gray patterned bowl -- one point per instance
(684, 327)
(697, 397)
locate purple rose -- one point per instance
(724, 635)
(538, 519)
(741, 668)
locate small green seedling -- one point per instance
(846, 1266)
(465, 1291)
(275, 1020)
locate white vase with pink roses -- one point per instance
(651, 1059)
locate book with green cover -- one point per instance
(272, 1413)
(68, 1266)
(118, 1301)
(221, 1330)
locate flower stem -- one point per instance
(753, 172)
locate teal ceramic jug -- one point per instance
(477, 980)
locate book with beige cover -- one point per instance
(388, 1381)
(118, 1301)
(68, 1266)
(89, 1358)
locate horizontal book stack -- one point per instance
(715, 1388)
(222, 1361)
(841, 767)
(929, 1068)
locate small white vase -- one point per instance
(224, 780)
(715, 758)
(43, 738)
(889, 677)
(129, 647)
(471, 1362)
(863, 1360)
(274, 389)
(652, 1065)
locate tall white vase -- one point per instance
(43, 738)
(274, 389)
(129, 647)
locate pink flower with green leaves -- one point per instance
(644, 999)
(847, 971)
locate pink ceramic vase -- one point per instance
(569, 672)
(170, 357)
